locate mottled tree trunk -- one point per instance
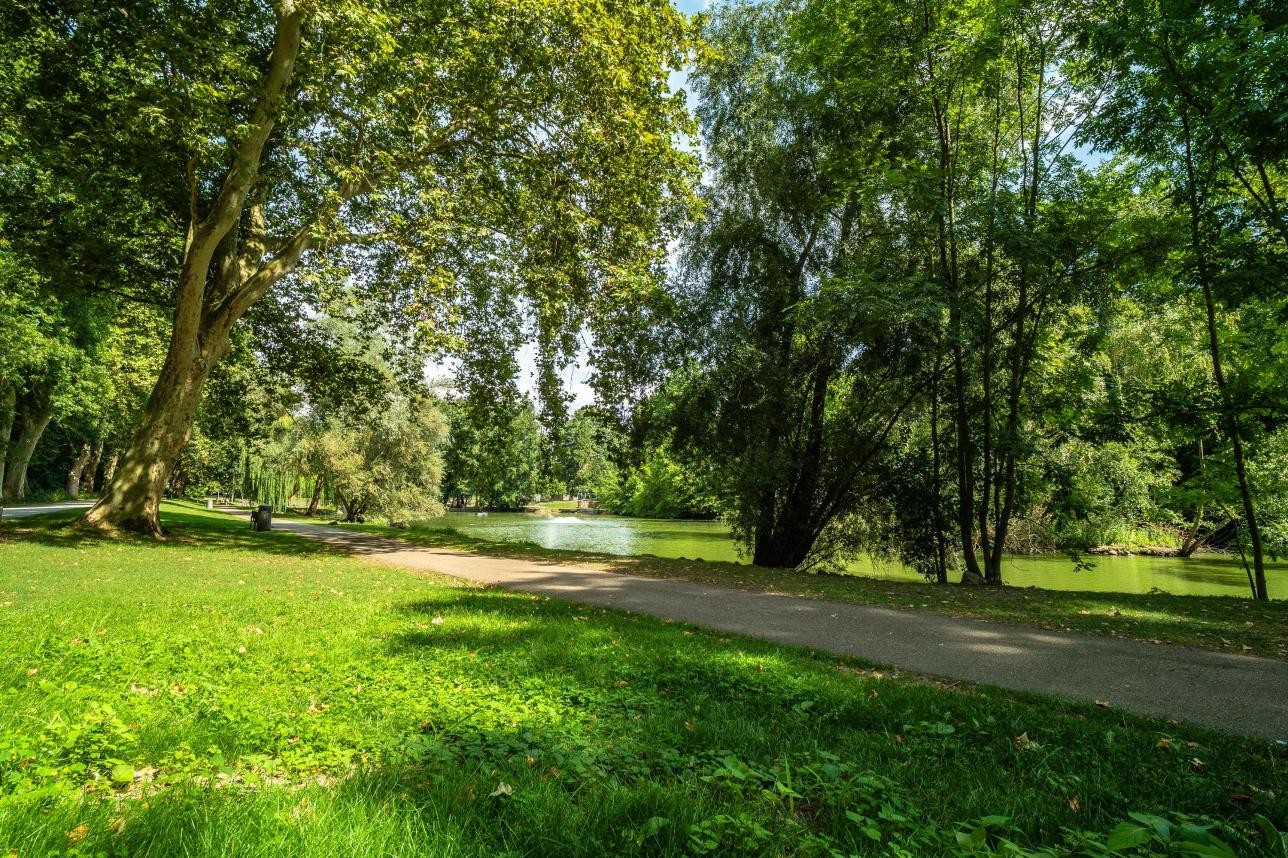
(936, 477)
(224, 273)
(89, 481)
(35, 408)
(1191, 541)
(77, 470)
(1229, 411)
(950, 278)
(132, 499)
(109, 470)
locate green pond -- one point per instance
(1208, 575)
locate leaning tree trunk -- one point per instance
(318, 485)
(35, 410)
(224, 272)
(132, 499)
(77, 469)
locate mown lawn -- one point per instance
(231, 693)
(1224, 623)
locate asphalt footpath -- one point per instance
(1230, 693)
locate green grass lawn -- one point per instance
(1223, 623)
(232, 693)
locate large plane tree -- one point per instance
(412, 149)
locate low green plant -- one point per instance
(227, 692)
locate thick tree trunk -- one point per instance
(217, 284)
(8, 410)
(784, 551)
(35, 410)
(787, 533)
(77, 469)
(132, 500)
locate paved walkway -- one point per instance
(9, 512)
(1231, 693)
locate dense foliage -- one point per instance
(979, 278)
(960, 279)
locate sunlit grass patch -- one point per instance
(226, 692)
(1225, 623)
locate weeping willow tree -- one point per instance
(387, 462)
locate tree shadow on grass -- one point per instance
(185, 530)
(1187, 620)
(732, 689)
(404, 809)
(607, 758)
(582, 645)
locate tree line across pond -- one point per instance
(943, 280)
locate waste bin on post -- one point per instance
(264, 517)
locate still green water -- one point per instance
(1209, 575)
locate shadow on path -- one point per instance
(1229, 693)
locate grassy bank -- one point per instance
(227, 692)
(1222, 623)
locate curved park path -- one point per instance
(1230, 693)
